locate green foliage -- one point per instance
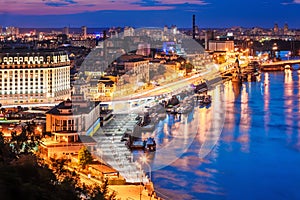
(26, 141)
(101, 192)
(84, 157)
(24, 176)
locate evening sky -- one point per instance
(149, 13)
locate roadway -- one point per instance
(176, 86)
(283, 62)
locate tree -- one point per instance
(24, 175)
(26, 142)
(101, 192)
(84, 157)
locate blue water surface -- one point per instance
(258, 153)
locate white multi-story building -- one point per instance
(128, 31)
(138, 68)
(33, 76)
(71, 123)
(218, 45)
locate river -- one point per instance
(246, 145)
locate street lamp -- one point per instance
(145, 161)
(140, 174)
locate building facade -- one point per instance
(138, 68)
(218, 45)
(84, 32)
(128, 32)
(71, 123)
(34, 76)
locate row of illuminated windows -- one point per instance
(40, 93)
(16, 78)
(20, 71)
(25, 66)
(61, 58)
(34, 72)
(59, 70)
(24, 73)
(19, 88)
(25, 59)
(26, 80)
(21, 96)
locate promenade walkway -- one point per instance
(114, 152)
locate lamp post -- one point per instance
(145, 161)
(274, 48)
(140, 180)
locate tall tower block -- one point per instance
(84, 32)
(194, 27)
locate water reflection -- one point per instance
(246, 163)
(229, 98)
(245, 120)
(236, 88)
(212, 123)
(174, 135)
(288, 100)
(266, 94)
(298, 115)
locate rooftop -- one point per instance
(69, 107)
(25, 51)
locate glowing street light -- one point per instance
(145, 161)
(275, 47)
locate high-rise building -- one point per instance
(174, 29)
(194, 27)
(28, 76)
(66, 30)
(276, 29)
(143, 49)
(285, 29)
(209, 35)
(12, 30)
(128, 31)
(166, 28)
(84, 32)
(1, 30)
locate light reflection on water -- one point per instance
(258, 154)
(266, 95)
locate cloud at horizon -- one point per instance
(58, 7)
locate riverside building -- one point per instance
(33, 76)
(71, 123)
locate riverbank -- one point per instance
(132, 192)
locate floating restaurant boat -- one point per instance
(172, 109)
(137, 144)
(205, 99)
(202, 87)
(150, 144)
(149, 127)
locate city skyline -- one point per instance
(139, 13)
